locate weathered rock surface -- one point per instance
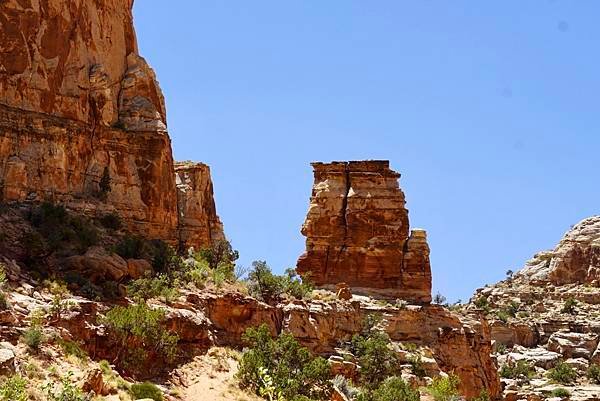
(548, 312)
(357, 232)
(199, 223)
(576, 259)
(82, 117)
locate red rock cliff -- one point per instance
(198, 219)
(357, 232)
(82, 118)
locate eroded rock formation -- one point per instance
(575, 260)
(198, 219)
(83, 120)
(357, 232)
(547, 313)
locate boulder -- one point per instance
(573, 345)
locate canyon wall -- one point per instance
(357, 232)
(83, 120)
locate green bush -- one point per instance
(513, 370)
(153, 287)
(3, 301)
(33, 337)
(593, 373)
(569, 306)
(561, 392)
(263, 284)
(444, 388)
(395, 389)
(483, 396)
(376, 358)
(132, 247)
(66, 391)
(14, 388)
(482, 303)
(165, 258)
(219, 254)
(139, 335)
(296, 287)
(60, 230)
(146, 390)
(293, 370)
(502, 315)
(112, 221)
(417, 366)
(562, 373)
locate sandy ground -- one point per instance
(211, 378)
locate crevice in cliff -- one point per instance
(345, 200)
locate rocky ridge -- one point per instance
(547, 314)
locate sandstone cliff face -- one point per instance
(198, 219)
(357, 232)
(83, 120)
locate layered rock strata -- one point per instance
(357, 232)
(198, 219)
(83, 120)
(546, 314)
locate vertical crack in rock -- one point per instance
(374, 254)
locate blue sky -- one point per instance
(490, 110)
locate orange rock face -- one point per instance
(83, 121)
(357, 232)
(198, 219)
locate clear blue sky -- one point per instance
(490, 110)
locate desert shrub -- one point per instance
(33, 337)
(561, 392)
(72, 348)
(139, 334)
(59, 229)
(66, 391)
(59, 293)
(482, 303)
(376, 358)
(569, 306)
(439, 299)
(35, 248)
(293, 370)
(153, 287)
(417, 366)
(132, 247)
(513, 370)
(14, 388)
(562, 373)
(146, 390)
(512, 309)
(502, 315)
(3, 301)
(501, 348)
(112, 221)
(483, 396)
(296, 287)
(164, 258)
(593, 373)
(263, 284)
(444, 388)
(219, 254)
(395, 389)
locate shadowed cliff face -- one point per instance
(83, 119)
(357, 232)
